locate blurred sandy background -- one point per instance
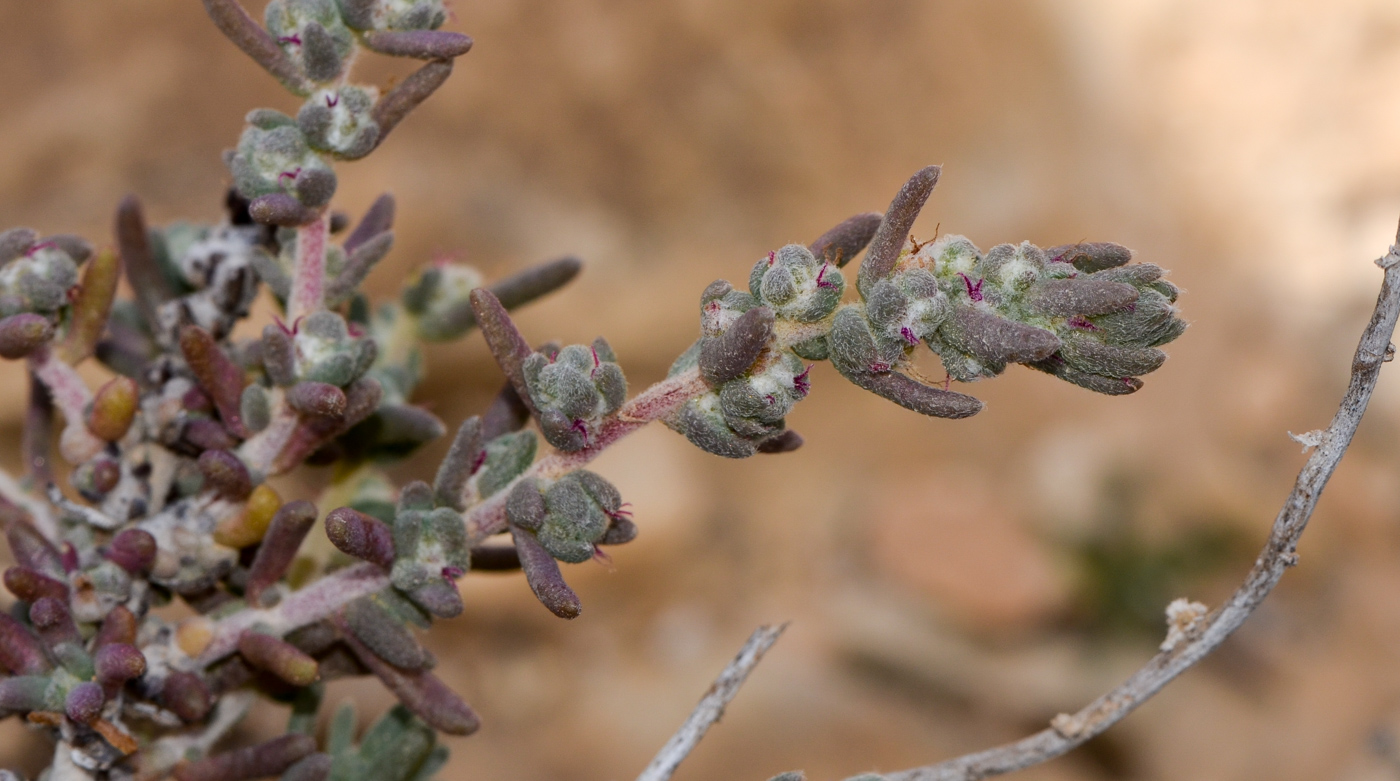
(951, 584)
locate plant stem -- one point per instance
(309, 276)
(330, 593)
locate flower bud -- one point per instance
(339, 121)
(574, 392)
(569, 517)
(797, 285)
(440, 297)
(326, 352)
(280, 161)
(506, 458)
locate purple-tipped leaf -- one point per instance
(225, 474)
(282, 210)
(386, 635)
(15, 242)
(30, 549)
(536, 281)
(1109, 386)
(889, 238)
(25, 693)
(317, 400)
(279, 355)
(463, 458)
(186, 695)
(257, 43)
(260, 761)
(52, 619)
(92, 306)
(288, 529)
(117, 663)
(506, 414)
(418, 44)
(217, 374)
(407, 94)
(84, 702)
(361, 536)
(139, 261)
(21, 652)
(1082, 295)
(31, 585)
(23, 333)
(729, 355)
(843, 242)
(313, 767)
(358, 264)
(279, 657)
(995, 339)
(543, 575)
(134, 550)
(916, 396)
(378, 219)
(783, 442)
(421, 692)
(1091, 256)
(507, 344)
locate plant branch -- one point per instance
(711, 707)
(654, 403)
(298, 609)
(331, 592)
(1068, 731)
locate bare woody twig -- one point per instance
(1068, 731)
(711, 707)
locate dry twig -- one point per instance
(711, 706)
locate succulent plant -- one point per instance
(171, 458)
